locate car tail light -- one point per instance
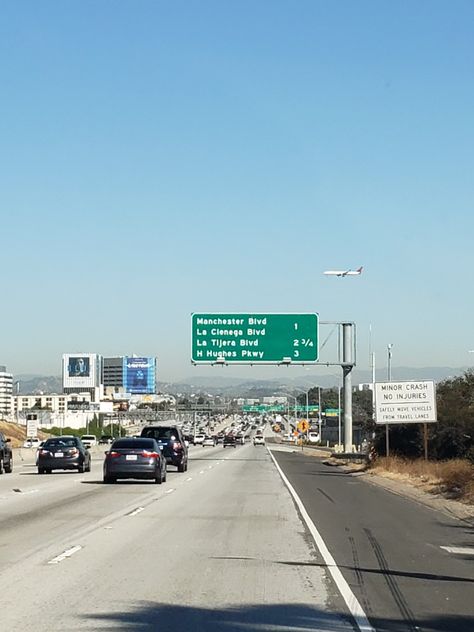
(44, 452)
(73, 452)
(150, 455)
(177, 445)
(112, 454)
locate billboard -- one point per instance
(139, 374)
(81, 370)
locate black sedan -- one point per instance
(135, 458)
(63, 453)
(229, 440)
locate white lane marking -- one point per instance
(210, 467)
(136, 511)
(23, 493)
(353, 605)
(201, 472)
(65, 555)
(169, 491)
(189, 479)
(459, 550)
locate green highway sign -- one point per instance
(254, 338)
(278, 408)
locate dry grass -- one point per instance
(452, 479)
(17, 433)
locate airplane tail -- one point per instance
(359, 270)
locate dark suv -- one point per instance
(173, 444)
(6, 456)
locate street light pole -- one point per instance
(389, 376)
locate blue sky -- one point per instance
(160, 158)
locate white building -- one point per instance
(6, 390)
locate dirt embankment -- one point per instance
(17, 433)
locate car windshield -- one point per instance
(61, 443)
(133, 444)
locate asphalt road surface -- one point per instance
(224, 547)
(390, 549)
(218, 548)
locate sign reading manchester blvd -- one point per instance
(405, 402)
(255, 338)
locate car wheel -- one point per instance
(1, 466)
(41, 470)
(109, 479)
(80, 468)
(159, 478)
(88, 468)
(48, 470)
(181, 467)
(9, 467)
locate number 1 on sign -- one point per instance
(296, 326)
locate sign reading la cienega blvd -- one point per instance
(405, 402)
(254, 338)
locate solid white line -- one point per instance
(460, 550)
(66, 554)
(136, 511)
(354, 606)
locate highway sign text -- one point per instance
(255, 338)
(405, 402)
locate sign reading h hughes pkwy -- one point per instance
(254, 338)
(405, 402)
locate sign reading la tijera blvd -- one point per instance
(405, 402)
(254, 338)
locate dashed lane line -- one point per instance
(459, 550)
(136, 511)
(65, 555)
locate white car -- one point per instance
(313, 437)
(259, 440)
(288, 438)
(198, 439)
(209, 441)
(89, 440)
(31, 442)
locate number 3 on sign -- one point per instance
(296, 353)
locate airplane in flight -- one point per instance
(343, 273)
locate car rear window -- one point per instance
(160, 433)
(60, 443)
(133, 444)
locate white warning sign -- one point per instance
(405, 402)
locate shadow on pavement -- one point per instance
(260, 618)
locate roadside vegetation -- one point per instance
(453, 479)
(449, 470)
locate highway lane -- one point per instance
(389, 548)
(220, 547)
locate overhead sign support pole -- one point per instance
(347, 366)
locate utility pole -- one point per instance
(347, 366)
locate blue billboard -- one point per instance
(139, 374)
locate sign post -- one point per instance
(255, 338)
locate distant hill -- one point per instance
(245, 387)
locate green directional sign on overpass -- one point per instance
(254, 338)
